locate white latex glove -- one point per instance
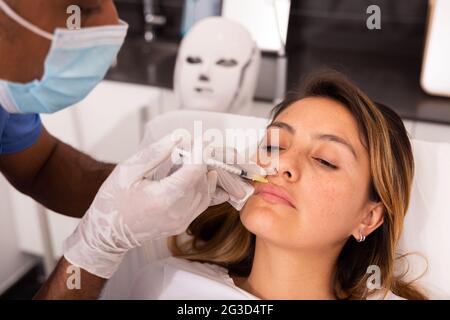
(144, 198)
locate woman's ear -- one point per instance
(371, 220)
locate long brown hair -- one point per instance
(220, 238)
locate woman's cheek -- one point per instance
(325, 202)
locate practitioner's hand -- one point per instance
(238, 189)
(144, 198)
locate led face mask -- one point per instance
(76, 62)
(216, 66)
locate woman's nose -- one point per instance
(288, 168)
(283, 165)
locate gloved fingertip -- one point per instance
(232, 184)
(220, 196)
(212, 181)
(239, 192)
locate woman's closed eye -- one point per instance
(325, 163)
(322, 162)
(270, 148)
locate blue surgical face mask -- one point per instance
(76, 62)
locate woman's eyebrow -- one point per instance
(337, 139)
(282, 125)
(318, 136)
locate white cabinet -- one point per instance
(409, 126)
(432, 132)
(13, 262)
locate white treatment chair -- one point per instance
(427, 224)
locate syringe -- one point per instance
(229, 168)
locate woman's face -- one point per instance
(319, 197)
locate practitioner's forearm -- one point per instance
(71, 283)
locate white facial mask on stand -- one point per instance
(217, 67)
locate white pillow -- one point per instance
(427, 223)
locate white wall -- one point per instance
(13, 263)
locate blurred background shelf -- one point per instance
(385, 63)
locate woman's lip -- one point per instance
(274, 194)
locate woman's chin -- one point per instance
(260, 217)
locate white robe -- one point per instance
(179, 279)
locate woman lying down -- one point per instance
(326, 226)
